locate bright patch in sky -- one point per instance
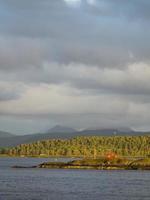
(91, 2)
(73, 2)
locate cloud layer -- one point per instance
(79, 63)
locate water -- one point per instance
(47, 184)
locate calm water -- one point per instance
(45, 184)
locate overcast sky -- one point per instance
(80, 63)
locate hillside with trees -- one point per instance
(86, 147)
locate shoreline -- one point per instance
(8, 156)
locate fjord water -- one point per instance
(51, 184)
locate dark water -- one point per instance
(45, 184)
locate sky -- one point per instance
(79, 63)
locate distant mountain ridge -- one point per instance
(4, 134)
(63, 132)
(108, 131)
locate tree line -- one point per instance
(85, 146)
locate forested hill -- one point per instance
(87, 146)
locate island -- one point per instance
(98, 164)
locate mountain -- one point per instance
(108, 131)
(62, 132)
(4, 134)
(56, 132)
(61, 129)
(13, 141)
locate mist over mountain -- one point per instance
(4, 134)
(61, 129)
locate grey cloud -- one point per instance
(30, 124)
(130, 9)
(8, 95)
(10, 91)
(133, 8)
(74, 35)
(98, 50)
(20, 54)
(131, 83)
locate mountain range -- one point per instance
(62, 132)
